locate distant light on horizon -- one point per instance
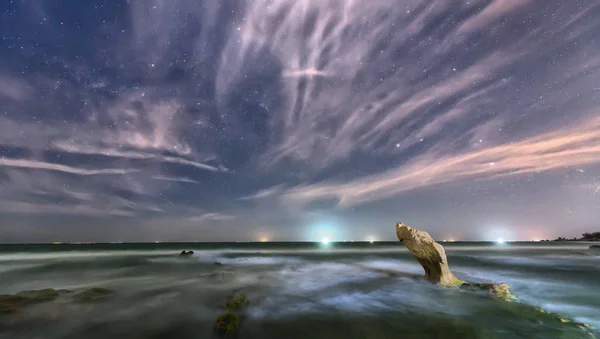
(325, 241)
(327, 229)
(499, 234)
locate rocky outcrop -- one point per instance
(499, 291)
(432, 257)
(429, 254)
(186, 254)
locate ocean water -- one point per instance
(300, 290)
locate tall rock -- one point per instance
(429, 254)
(432, 257)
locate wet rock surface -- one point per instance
(432, 256)
(429, 254)
(94, 294)
(228, 323)
(16, 303)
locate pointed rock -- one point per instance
(429, 254)
(432, 257)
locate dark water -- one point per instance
(347, 290)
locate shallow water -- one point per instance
(348, 290)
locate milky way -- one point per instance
(291, 120)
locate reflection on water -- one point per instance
(298, 291)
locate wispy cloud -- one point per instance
(14, 88)
(176, 179)
(34, 164)
(111, 152)
(310, 72)
(490, 14)
(211, 217)
(578, 145)
(265, 193)
(24, 207)
(593, 187)
(349, 87)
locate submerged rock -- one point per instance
(229, 322)
(39, 296)
(93, 294)
(10, 304)
(186, 254)
(500, 291)
(236, 302)
(223, 274)
(429, 254)
(13, 303)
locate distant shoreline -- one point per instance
(589, 237)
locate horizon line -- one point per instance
(274, 242)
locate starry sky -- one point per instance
(233, 120)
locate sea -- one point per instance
(300, 290)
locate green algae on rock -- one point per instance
(13, 303)
(93, 294)
(38, 296)
(237, 302)
(228, 323)
(500, 291)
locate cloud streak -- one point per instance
(15, 89)
(578, 145)
(211, 217)
(109, 152)
(176, 179)
(41, 165)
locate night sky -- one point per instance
(189, 120)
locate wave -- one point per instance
(381, 288)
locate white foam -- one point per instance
(79, 254)
(259, 260)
